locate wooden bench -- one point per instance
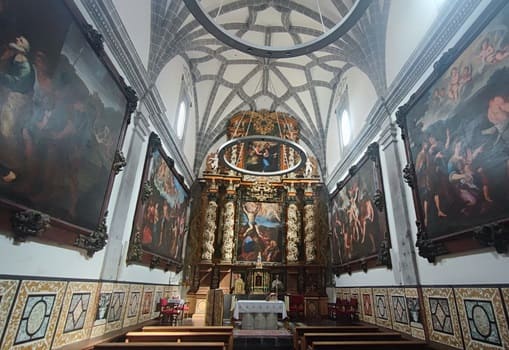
(161, 346)
(309, 338)
(299, 331)
(370, 345)
(225, 337)
(187, 329)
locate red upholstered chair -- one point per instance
(296, 306)
(168, 312)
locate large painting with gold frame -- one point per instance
(456, 136)
(64, 111)
(260, 232)
(360, 231)
(159, 227)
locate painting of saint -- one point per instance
(358, 226)
(161, 218)
(260, 236)
(458, 137)
(62, 114)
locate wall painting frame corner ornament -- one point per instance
(64, 112)
(159, 228)
(455, 129)
(360, 231)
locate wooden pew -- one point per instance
(308, 338)
(225, 337)
(299, 331)
(161, 346)
(370, 345)
(187, 329)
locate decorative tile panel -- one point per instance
(147, 300)
(354, 294)
(482, 318)
(35, 315)
(7, 293)
(133, 305)
(399, 310)
(102, 306)
(381, 307)
(415, 313)
(441, 317)
(78, 312)
(117, 307)
(367, 307)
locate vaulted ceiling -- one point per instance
(227, 80)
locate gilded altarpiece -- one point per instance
(250, 226)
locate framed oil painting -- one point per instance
(457, 142)
(63, 116)
(360, 236)
(159, 227)
(260, 232)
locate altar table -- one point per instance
(259, 314)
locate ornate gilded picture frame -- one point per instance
(64, 111)
(160, 222)
(456, 140)
(360, 231)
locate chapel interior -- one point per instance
(345, 161)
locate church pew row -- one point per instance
(299, 331)
(309, 338)
(225, 337)
(161, 346)
(187, 329)
(369, 345)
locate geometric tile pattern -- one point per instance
(146, 303)
(133, 305)
(7, 294)
(482, 318)
(366, 301)
(77, 312)
(77, 315)
(415, 313)
(117, 308)
(441, 317)
(399, 310)
(102, 306)
(35, 318)
(35, 315)
(381, 307)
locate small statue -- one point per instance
(239, 286)
(214, 162)
(309, 168)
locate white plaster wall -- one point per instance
(333, 153)
(189, 141)
(407, 24)
(361, 98)
(168, 84)
(135, 15)
(379, 276)
(42, 260)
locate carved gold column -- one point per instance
(210, 229)
(293, 233)
(228, 227)
(309, 231)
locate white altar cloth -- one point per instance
(259, 314)
(259, 306)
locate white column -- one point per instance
(119, 224)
